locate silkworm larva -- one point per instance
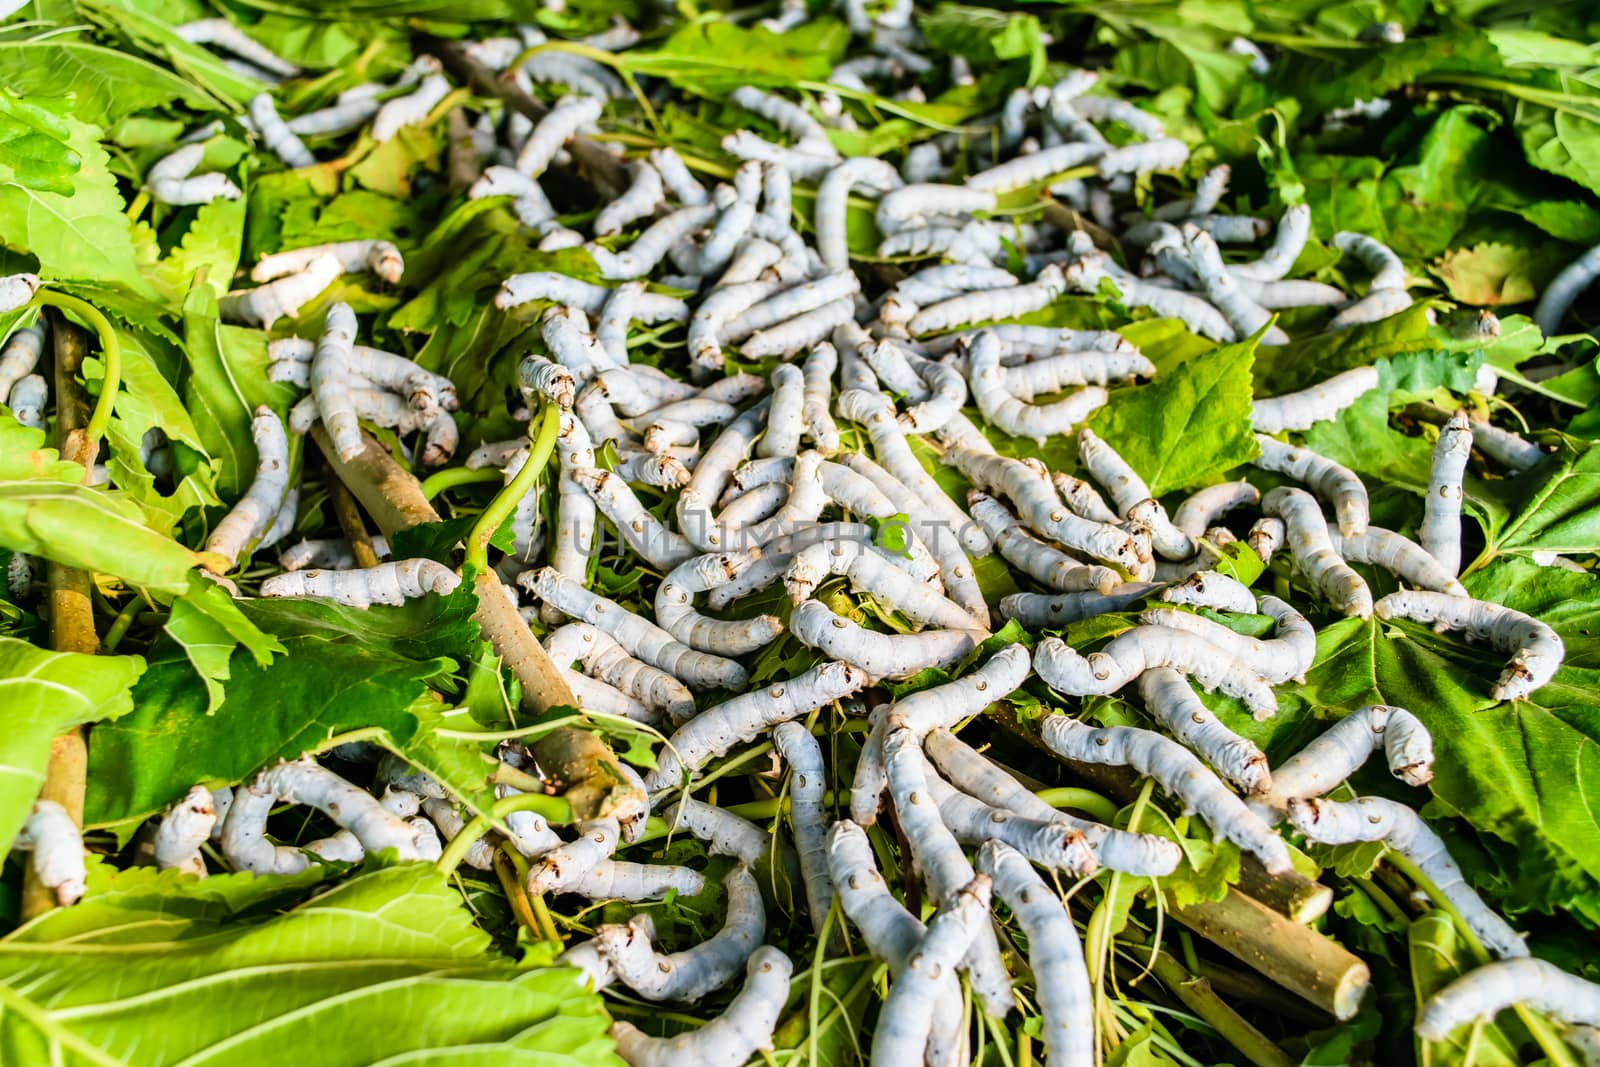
(1036, 502)
(1440, 530)
(1563, 291)
(807, 816)
(169, 179)
(58, 853)
(283, 298)
(1172, 702)
(724, 833)
(606, 660)
(388, 583)
(818, 371)
(1312, 548)
(1208, 589)
(1318, 403)
(877, 654)
(1043, 562)
(1388, 272)
(1018, 417)
(380, 257)
(870, 572)
(184, 828)
(253, 513)
(1287, 655)
(1342, 748)
(675, 611)
(731, 1038)
(1134, 651)
(567, 864)
(276, 135)
(1488, 989)
(1536, 650)
(1400, 556)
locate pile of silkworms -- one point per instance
(793, 475)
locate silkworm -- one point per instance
(1171, 701)
(642, 257)
(1318, 403)
(675, 612)
(695, 972)
(1132, 652)
(1338, 485)
(724, 833)
(802, 331)
(1142, 157)
(775, 556)
(1563, 291)
(1224, 291)
(1049, 842)
(1341, 749)
(1208, 589)
(817, 377)
(1511, 450)
(737, 211)
(1312, 548)
(1117, 850)
(332, 554)
(944, 867)
(870, 572)
(1488, 989)
(390, 583)
(639, 637)
(1398, 555)
(1536, 650)
(910, 206)
(21, 352)
(792, 119)
(1038, 167)
(1376, 305)
(621, 880)
(1331, 822)
(728, 1040)
(565, 330)
(27, 401)
(1086, 274)
(676, 177)
(605, 659)
(807, 816)
(1294, 229)
(1440, 529)
(1388, 272)
(708, 323)
(276, 135)
(58, 853)
(231, 38)
(1061, 976)
(305, 782)
(558, 126)
(1020, 343)
(711, 476)
(1018, 417)
(1176, 770)
(1287, 655)
(879, 655)
(567, 864)
(717, 729)
(380, 257)
(1036, 502)
(184, 828)
(283, 298)
(550, 285)
(330, 380)
(643, 194)
(1041, 561)
(253, 513)
(169, 179)
(987, 304)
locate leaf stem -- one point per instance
(1085, 800)
(505, 501)
(450, 477)
(552, 808)
(110, 355)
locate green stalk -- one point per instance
(110, 356)
(505, 501)
(1087, 801)
(552, 808)
(450, 477)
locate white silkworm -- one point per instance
(638, 637)
(911, 206)
(711, 476)
(1536, 650)
(276, 135)
(870, 572)
(169, 179)
(1267, 535)
(380, 257)
(709, 321)
(832, 204)
(21, 352)
(1049, 842)
(879, 655)
(1208, 589)
(283, 298)
(27, 400)
(804, 165)
(1440, 529)
(777, 193)
(737, 211)
(565, 330)
(231, 38)
(675, 612)
(569, 863)
(605, 659)
(1224, 291)
(1388, 272)
(1312, 548)
(1376, 305)
(724, 833)
(695, 972)
(1341, 749)
(1017, 417)
(1400, 556)
(876, 414)
(1231, 229)
(676, 177)
(575, 539)
(1332, 822)
(304, 781)
(817, 374)
(445, 815)
(330, 553)
(1083, 498)
(1020, 343)
(558, 126)
(1036, 502)
(1117, 850)
(1486, 990)
(1176, 770)
(1319, 403)
(538, 376)
(1288, 655)
(1563, 291)
(1294, 229)
(987, 304)
(728, 1040)
(16, 290)
(58, 854)
(1142, 157)
(802, 331)
(1043, 562)
(1128, 490)
(1060, 974)
(253, 513)
(1134, 651)
(1172, 703)
(1038, 167)
(645, 534)
(330, 380)
(598, 696)
(1511, 450)
(184, 828)
(944, 868)
(791, 118)
(641, 197)
(641, 257)
(807, 817)
(549, 285)
(388, 583)
(1086, 274)
(621, 880)
(1052, 374)
(343, 116)
(775, 556)
(716, 730)
(786, 304)
(1204, 507)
